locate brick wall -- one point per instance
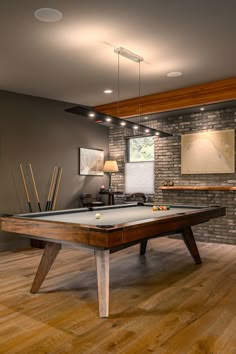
(167, 167)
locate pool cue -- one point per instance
(53, 188)
(50, 188)
(57, 188)
(35, 188)
(25, 186)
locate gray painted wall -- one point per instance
(38, 131)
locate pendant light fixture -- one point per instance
(137, 59)
(101, 118)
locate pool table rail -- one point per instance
(62, 231)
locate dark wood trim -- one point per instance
(190, 243)
(199, 188)
(68, 232)
(49, 255)
(197, 95)
(108, 237)
(143, 247)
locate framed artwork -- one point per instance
(91, 162)
(208, 152)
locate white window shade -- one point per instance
(139, 177)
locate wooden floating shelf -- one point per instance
(199, 188)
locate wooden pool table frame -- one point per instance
(105, 240)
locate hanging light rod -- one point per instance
(128, 54)
(104, 119)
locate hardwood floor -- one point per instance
(159, 303)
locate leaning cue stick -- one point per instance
(57, 188)
(53, 188)
(50, 188)
(25, 186)
(35, 188)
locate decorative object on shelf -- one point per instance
(208, 152)
(110, 167)
(91, 162)
(167, 183)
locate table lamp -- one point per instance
(110, 167)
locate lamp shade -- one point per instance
(110, 166)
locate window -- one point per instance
(141, 149)
(139, 171)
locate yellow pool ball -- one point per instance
(98, 215)
(154, 208)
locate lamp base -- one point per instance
(109, 188)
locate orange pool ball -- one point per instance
(154, 208)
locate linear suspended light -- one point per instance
(101, 118)
(104, 119)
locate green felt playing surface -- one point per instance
(115, 216)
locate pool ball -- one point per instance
(154, 208)
(163, 207)
(98, 215)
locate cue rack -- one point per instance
(52, 195)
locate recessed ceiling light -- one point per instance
(108, 119)
(157, 133)
(108, 91)
(146, 117)
(202, 109)
(123, 123)
(135, 127)
(174, 74)
(48, 15)
(91, 114)
(147, 130)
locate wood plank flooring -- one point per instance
(159, 303)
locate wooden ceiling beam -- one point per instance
(197, 95)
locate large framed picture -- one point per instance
(208, 152)
(91, 162)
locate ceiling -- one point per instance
(73, 60)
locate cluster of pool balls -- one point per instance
(160, 207)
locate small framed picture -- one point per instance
(91, 162)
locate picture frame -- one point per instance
(208, 152)
(91, 162)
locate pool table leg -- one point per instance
(143, 246)
(190, 243)
(102, 263)
(49, 255)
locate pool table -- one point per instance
(117, 227)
